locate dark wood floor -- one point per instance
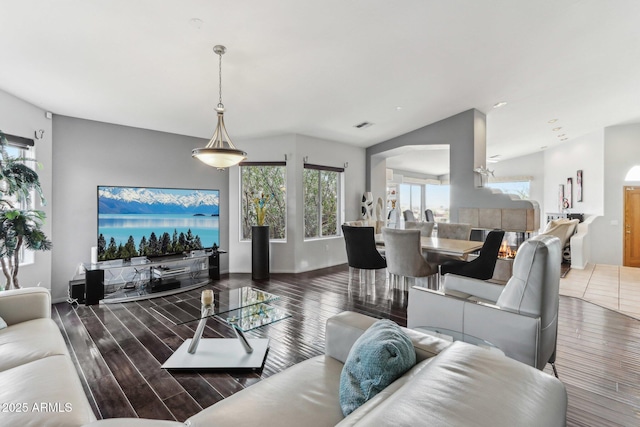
(118, 349)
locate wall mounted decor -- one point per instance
(579, 186)
(569, 193)
(560, 198)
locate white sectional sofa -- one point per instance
(451, 385)
(39, 385)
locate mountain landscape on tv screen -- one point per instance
(121, 200)
(136, 221)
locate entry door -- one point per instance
(632, 226)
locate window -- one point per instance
(269, 179)
(437, 199)
(321, 200)
(18, 150)
(411, 199)
(519, 188)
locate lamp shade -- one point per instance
(219, 157)
(220, 151)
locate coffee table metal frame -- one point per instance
(227, 353)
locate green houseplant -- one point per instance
(20, 226)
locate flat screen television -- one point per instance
(153, 222)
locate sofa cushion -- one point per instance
(354, 418)
(379, 357)
(345, 328)
(28, 341)
(48, 393)
(305, 394)
(460, 387)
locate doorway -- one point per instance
(631, 227)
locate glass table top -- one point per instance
(247, 307)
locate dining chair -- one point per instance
(483, 266)
(447, 230)
(404, 256)
(361, 250)
(428, 215)
(408, 215)
(426, 228)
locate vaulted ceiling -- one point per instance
(320, 67)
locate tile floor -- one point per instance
(610, 286)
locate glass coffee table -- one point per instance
(242, 310)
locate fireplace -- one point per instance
(508, 250)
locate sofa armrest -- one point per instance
(345, 328)
(20, 305)
(133, 422)
(466, 287)
(342, 331)
(517, 335)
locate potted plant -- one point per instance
(20, 226)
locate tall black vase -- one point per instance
(260, 252)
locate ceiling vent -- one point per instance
(363, 125)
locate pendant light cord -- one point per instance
(220, 104)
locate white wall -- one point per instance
(562, 162)
(20, 118)
(87, 154)
(297, 254)
(621, 152)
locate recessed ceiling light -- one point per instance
(557, 129)
(564, 139)
(398, 108)
(552, 121)
(195, 23)
(499, 104)
(561, 135)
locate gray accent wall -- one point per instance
(465, 133)
(87, 154)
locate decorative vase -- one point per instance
(260, 211)
(366, 206)
(260, 252)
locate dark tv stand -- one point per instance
(141, 278)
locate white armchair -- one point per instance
(563, 229)
(520, 318)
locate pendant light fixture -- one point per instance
(220, 151)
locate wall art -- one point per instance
(579, 186)
(560, 198)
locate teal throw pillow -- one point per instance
(3, 324)
(379, 357)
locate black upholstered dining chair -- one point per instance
(428, 215)
(361, 249)
(482, 267)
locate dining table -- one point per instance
(453, 247)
